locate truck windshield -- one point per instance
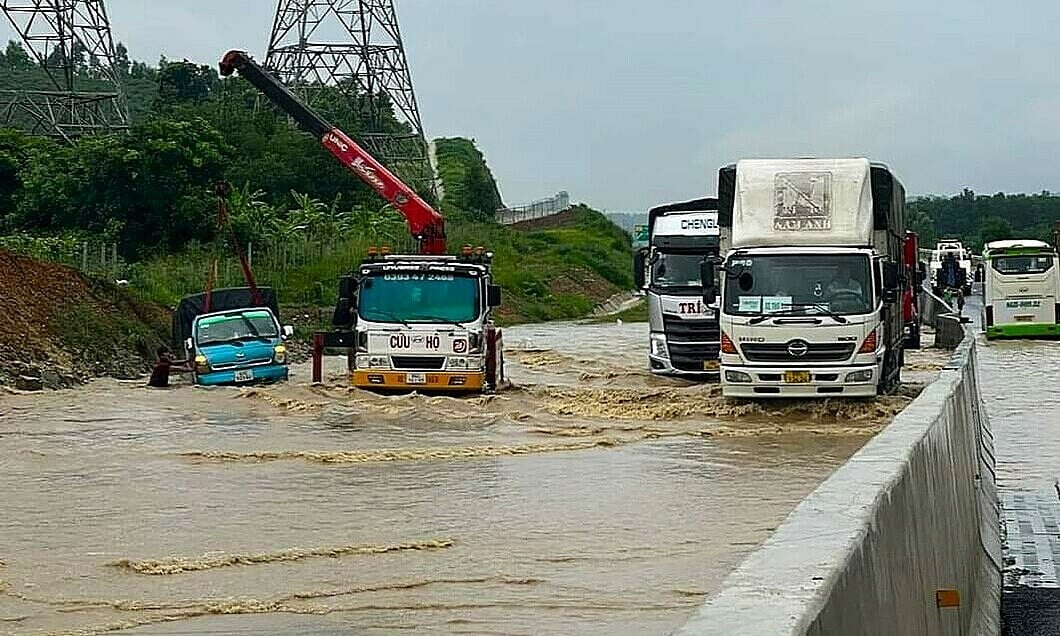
(798, 283)
(676, 270)
(1029, 264)
(246, 325)
(419, 297)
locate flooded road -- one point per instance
(592, 498)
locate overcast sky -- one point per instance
(629, 103)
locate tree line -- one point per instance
(150, 189)
(978, 219)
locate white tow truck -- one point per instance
(811, 288)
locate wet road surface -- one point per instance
(1018, 379)
(593, 499)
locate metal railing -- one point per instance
(536, 210)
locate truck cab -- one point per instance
(810, 290)
(683, 339)
(423, 323)
(230, 338)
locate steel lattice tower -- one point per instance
(71, 41)
(355, 45)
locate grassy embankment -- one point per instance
(553, 274)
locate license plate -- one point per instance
(710, 365)
(1024, 318)
(797, 377)
(245, 375)
(415, 378)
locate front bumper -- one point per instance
(662, 366)
(433, 380)
(825, 381)
(1023, 330)
(264, 373)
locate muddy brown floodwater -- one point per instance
(592, 498)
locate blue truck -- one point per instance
(232, 336)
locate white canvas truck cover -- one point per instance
(802, 202)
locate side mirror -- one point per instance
(493, 295)
(347, 286)
(288, 331)
(640, 260)
(343, 317)
(891, 276)
(189, 345)
(706, 275)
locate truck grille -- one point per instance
(816, 352)
(691, 342)
(418, 363)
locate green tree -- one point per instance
(994, 229)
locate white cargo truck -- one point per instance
(811, 287)
(683, 337)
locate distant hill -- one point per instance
(626, 220)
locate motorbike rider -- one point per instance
(952, 276)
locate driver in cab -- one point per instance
(844, 285)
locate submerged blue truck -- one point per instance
(232, 336)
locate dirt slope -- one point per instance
(63, 327)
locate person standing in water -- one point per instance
(163, 367)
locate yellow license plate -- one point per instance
(711, 365)
(797, 377)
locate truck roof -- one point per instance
(809, 201)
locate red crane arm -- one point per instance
(425, 223)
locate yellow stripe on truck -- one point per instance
(436, 380)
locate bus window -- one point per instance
(1018, 265)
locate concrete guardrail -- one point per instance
(903, 539)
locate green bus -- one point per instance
(1021, 290)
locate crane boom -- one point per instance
(424, 222)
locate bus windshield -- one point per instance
(419, 297)
(1023, 264)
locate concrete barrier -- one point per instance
(880, 547)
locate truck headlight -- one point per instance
(377, 362)
(279, 354)
(860, 376)
(737, 376)
(658, 345)
(362, 362)
(457, 363)
(202, 365)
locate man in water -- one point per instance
(160, 374)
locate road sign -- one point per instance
(640, 235)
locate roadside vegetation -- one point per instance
(149, 193)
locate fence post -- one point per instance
(318, 357)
